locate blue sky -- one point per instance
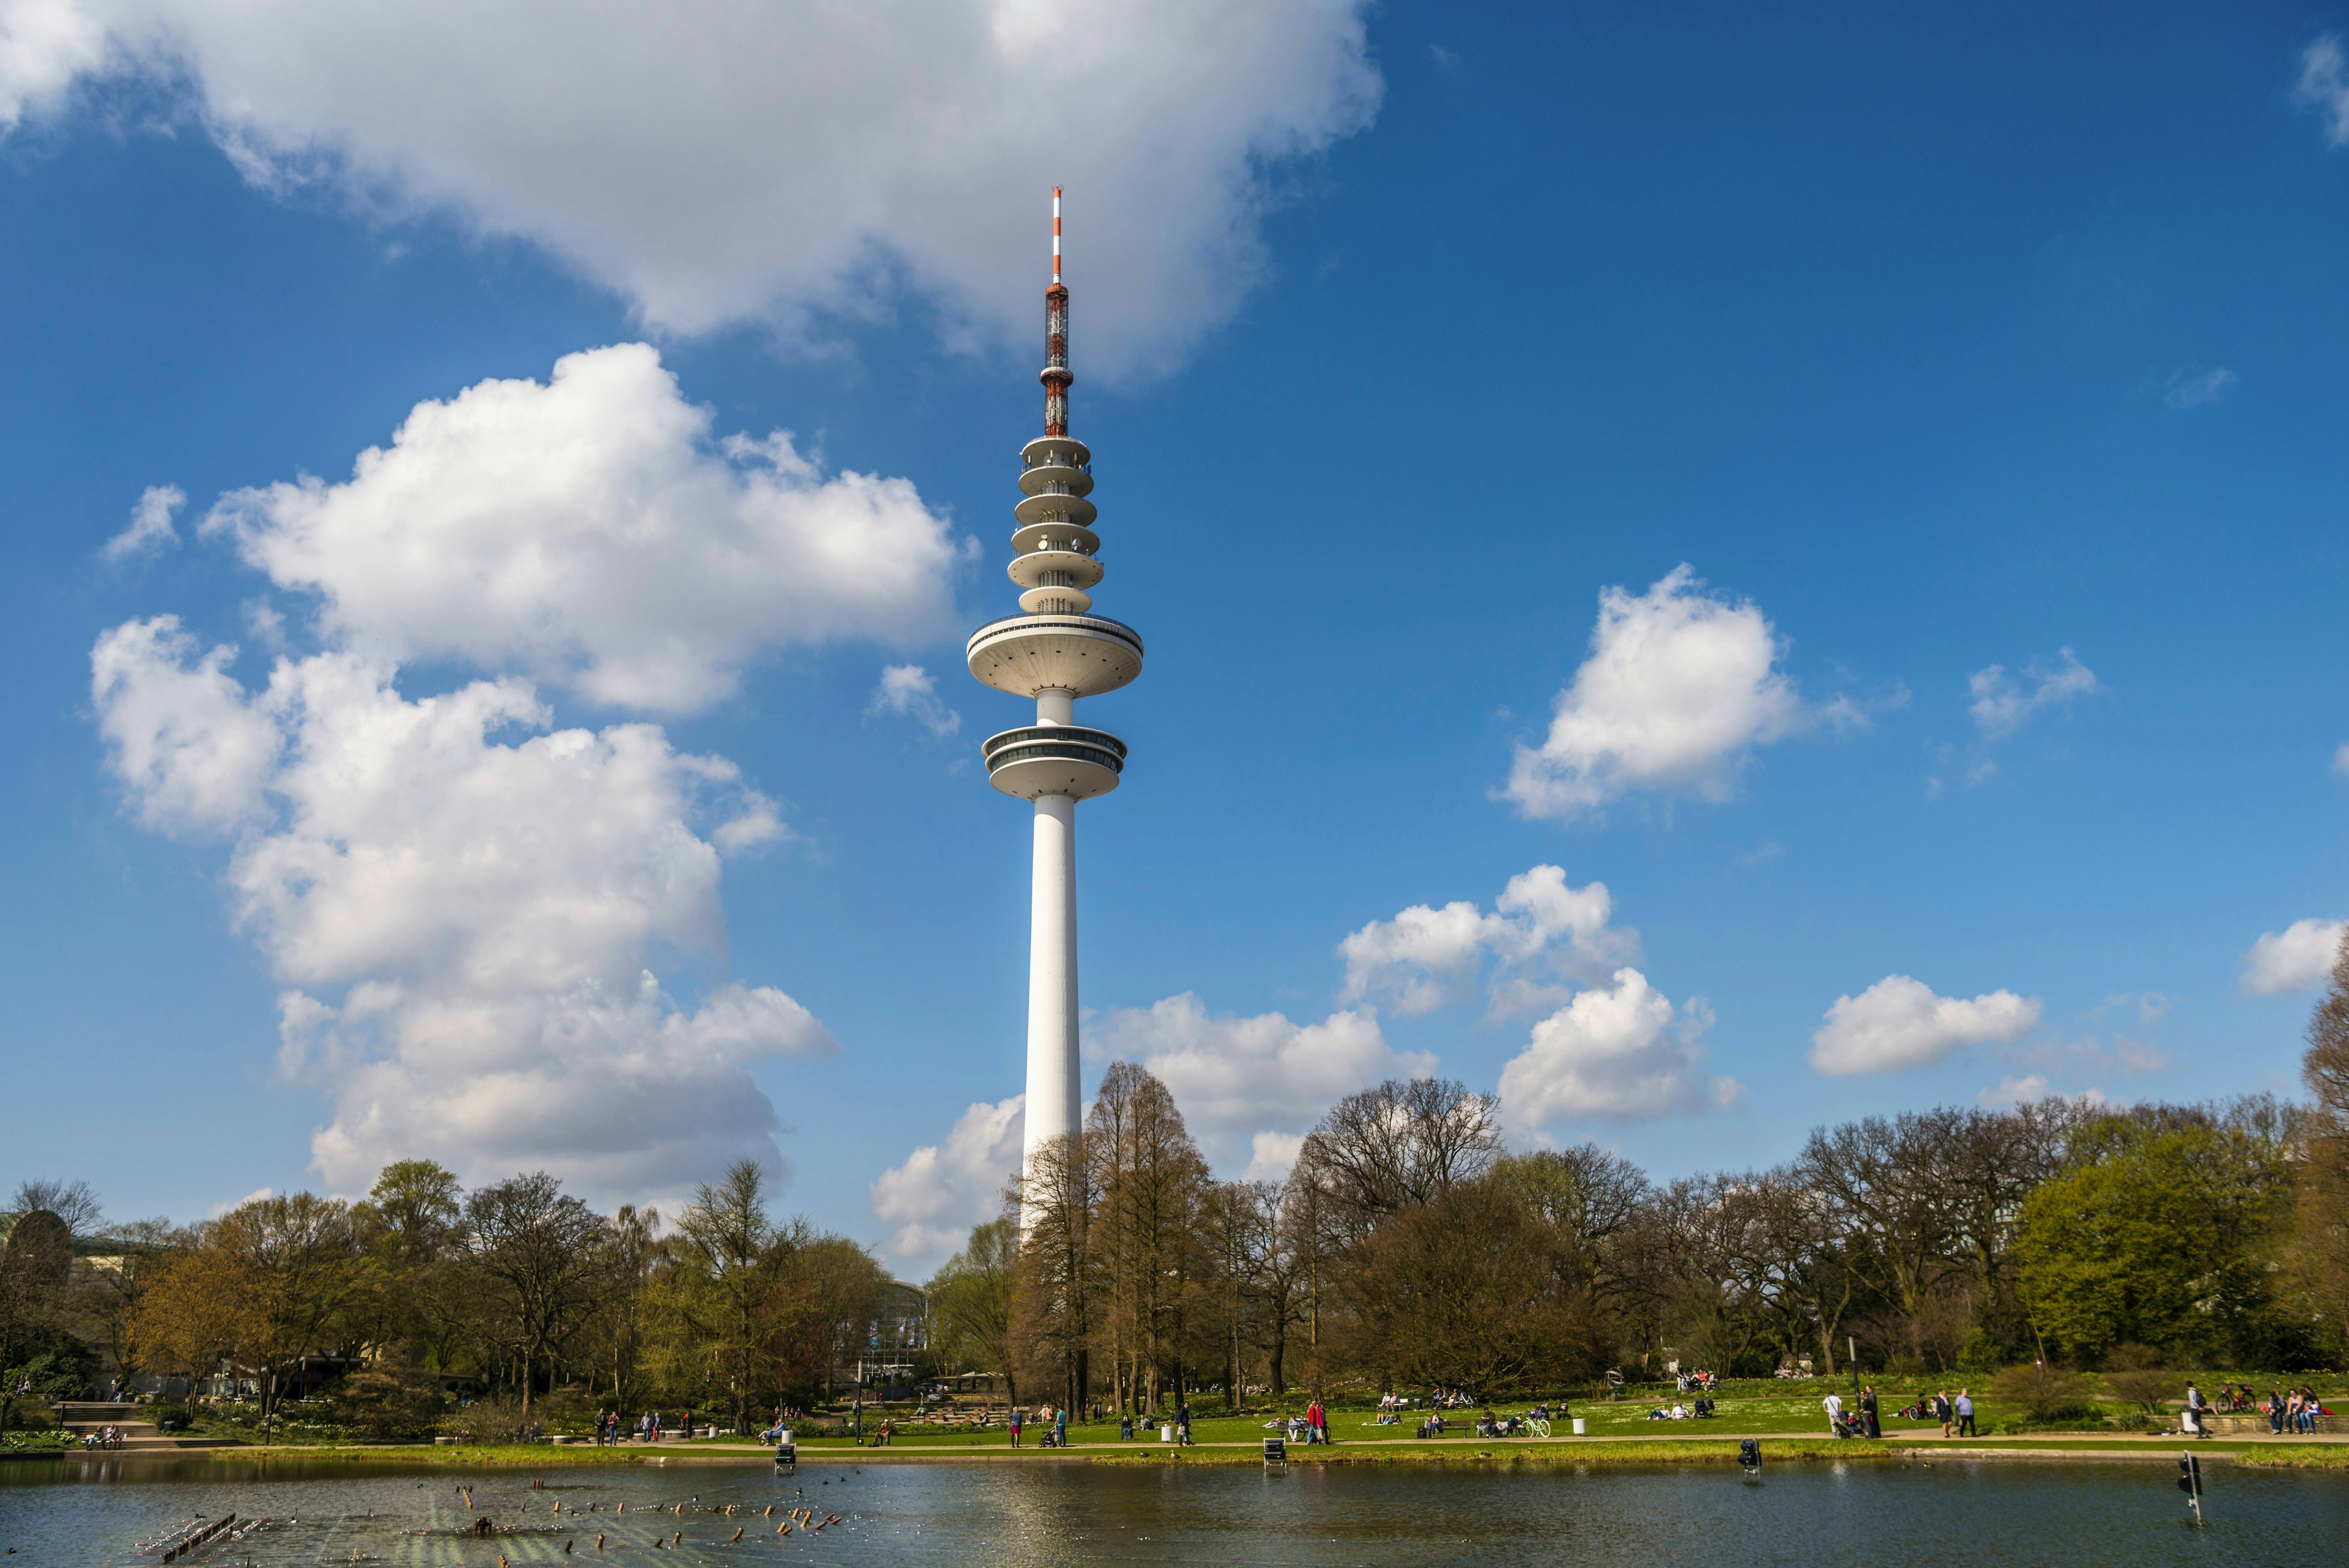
(1933, 344)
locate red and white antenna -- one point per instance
(1056, 377)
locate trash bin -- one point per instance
(1166, 1434)
(1579, 1430)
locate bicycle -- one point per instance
(1538, 1428)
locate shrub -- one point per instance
(2046, 1393)
(388, 1403)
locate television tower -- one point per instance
(1054, 650)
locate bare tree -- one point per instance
(1149, 1175)
(71, 1201)
(1055, 1279)
(539, 1250)
(1385, 1150)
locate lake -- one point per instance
(95, 1509)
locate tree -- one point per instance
(539, 1253)
(970, 1304)
(1148, 1175)
(745, 1308)
(2319, 1245)
(36, 1267)
(2156, 1238)
(1236, 1225)
(411, 1237)
(71, 1204)
(1387, 1148)
(1472, 1289)
(1053, 1293)
(270, 1285)
(1591, 1197)
(620, 1328)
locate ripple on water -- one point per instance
(2084, 1515)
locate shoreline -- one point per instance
(2311, 1453)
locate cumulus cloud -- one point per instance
(589, 531)
(1539, 927)
(2011, 1091)
(1272, 1155)
(942, 1189)
(193, 753)
(1614, 1053)
(1680, 687)
(2325, 86)
(722, 161)
(464, 904)
(1234, 1077)
(2193, 391)
(1898, 1023)
(2002, 705)
(908, 691)
(151, 527)
(2298, 958)
(44, 45)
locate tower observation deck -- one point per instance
(1054, 651)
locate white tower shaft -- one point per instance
(1054, 1090)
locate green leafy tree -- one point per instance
(740, 1296)
(2159, 1236)
(970, 1304)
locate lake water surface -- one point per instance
(98, 1510)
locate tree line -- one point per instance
(508, 1292)
(1407, 1248)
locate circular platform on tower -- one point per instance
(1082, 654)
(1053, 759)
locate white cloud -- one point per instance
(2186, 391)
(179, 733)
(2298, 958)
(1898, 1023)
(1610, 1054)
(487, 910)
(2341, 761)
(942, 1189)
(2002, 705)
(151, 524)
(44, 45)
(718, 162)
(908, 691)
(588, 530)
(2012, 1091)
(1680, 686)
(1540, 926)
(1234, 1077)
(256, 1196)
(2325, 86)
(1271, 1155)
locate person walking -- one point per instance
(1182, 1424)
(1964, 1407)
(1867, 1410)
(1833, 1405)
(1941, 1411)
(1015, 1426)
(1060, 1429)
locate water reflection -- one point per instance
(98, 1509)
